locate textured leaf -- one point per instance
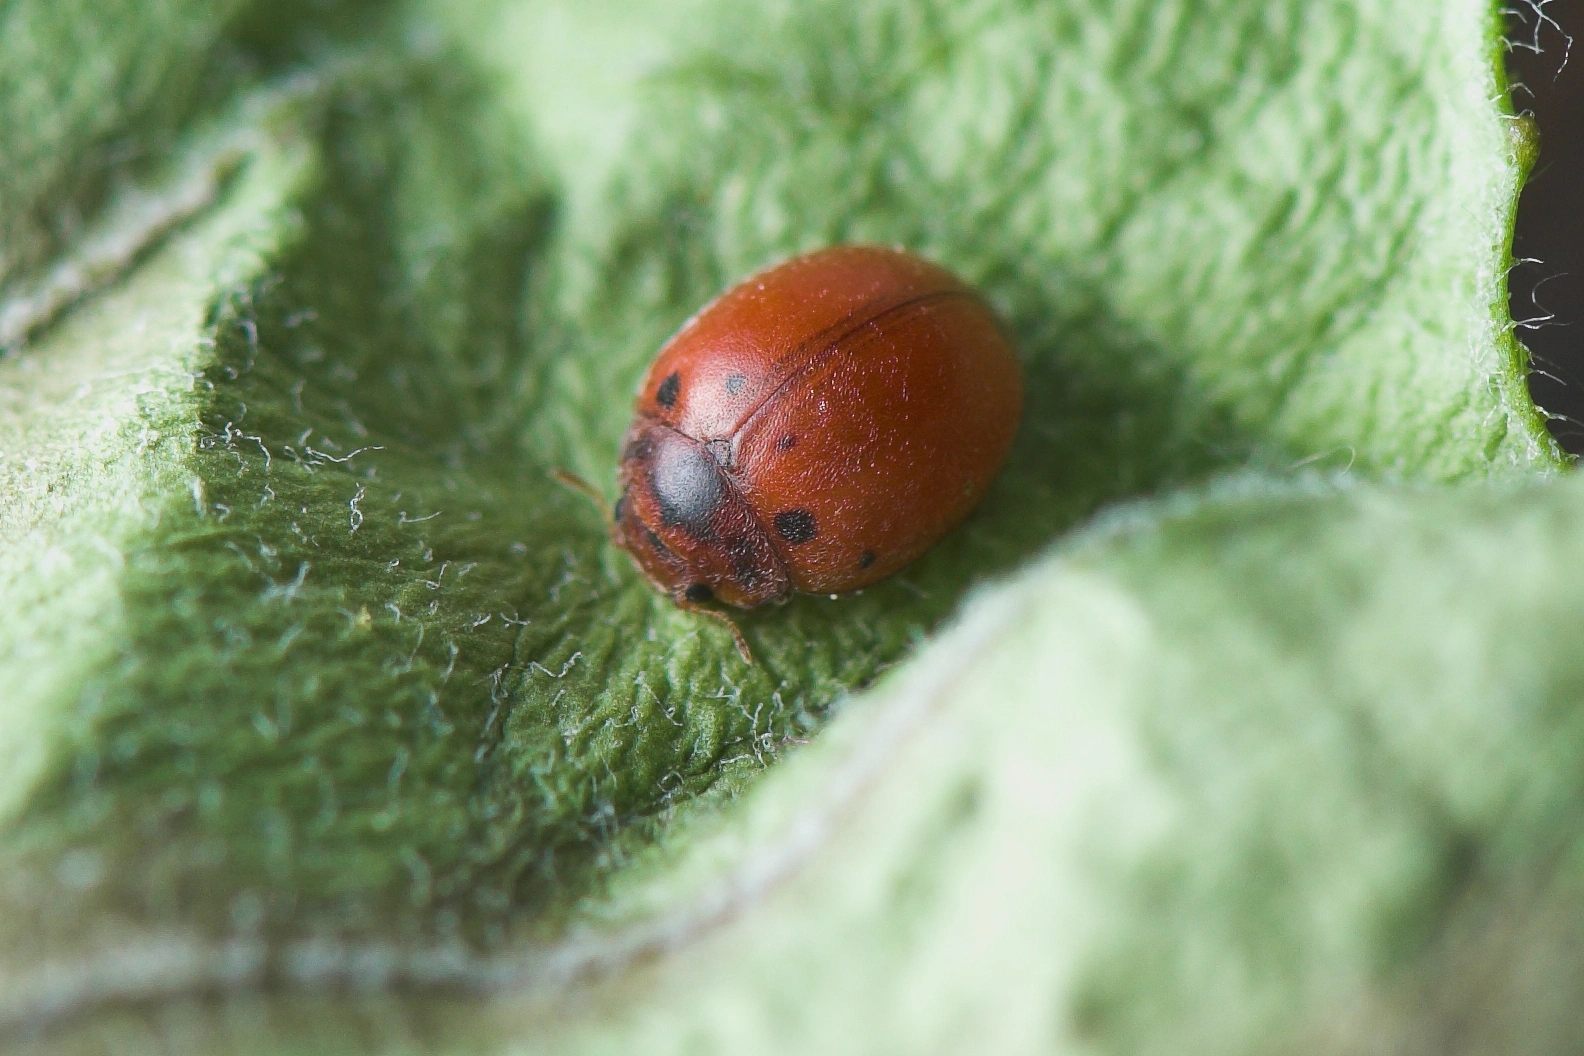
(315, 680)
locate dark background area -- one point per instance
(1546, 62)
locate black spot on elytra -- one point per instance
(786, 443)
(866, 559)
(657, 543)
(795, 526)
(699, 592)
(666, 394)
(687, 487)
(619, 510)
(735, 383)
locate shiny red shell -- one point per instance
(815, 428)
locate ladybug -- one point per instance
(815, 428)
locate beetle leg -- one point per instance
(737, 635)
(568, 479)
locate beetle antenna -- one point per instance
(568, 479)
(737, 635)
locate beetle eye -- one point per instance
(699, 592)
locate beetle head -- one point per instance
(688, 527)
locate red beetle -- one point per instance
(816, 428)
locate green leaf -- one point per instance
(316, 682)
